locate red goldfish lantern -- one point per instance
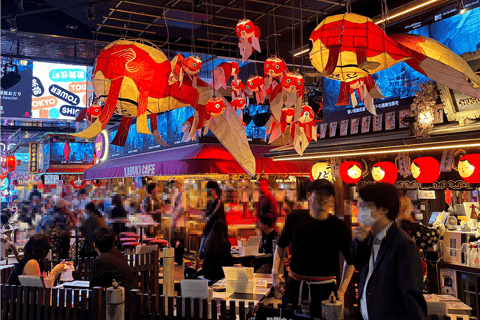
(257, 84)
(351, 172)
(215, 106)
(385, 172)
(223, 72)
(273, 67)
(11, 162)
(425, 169)
(238, 103)
(238, 89)
(93, 112)
(191, 66)
(277, 128)
(248, 38)
(469, 168)
(292, 89)
(303, 130)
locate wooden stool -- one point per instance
(129, 239)
(147, 240)
(126, 234)
(130, 247)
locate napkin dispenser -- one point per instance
(239, 280)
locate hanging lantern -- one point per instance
(19, 162)
(215, 106)
(257, 85)
(238, 103)
(93, 112)
(274, 67)
(303, 130)
(248, 38)
(469, 168)
(321, 170)
(223, 72)
(425, 169)
(385, 172)
(11, 161)
(351, 172)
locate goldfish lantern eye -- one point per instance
(288, 81)
(247, 27)
(238, 30)
(299, 82)
(277, 67)
(217, 106)
(268, 66)
(251, 83)
(194, 64)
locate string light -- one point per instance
(406, 11)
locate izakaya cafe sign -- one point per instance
(99, 146)
(139, 170)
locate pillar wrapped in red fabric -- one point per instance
(469, 168)
(351, 172)
(425, 169)
(385, 172)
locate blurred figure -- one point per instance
(110, 263)
(215, 211)
(217, 251)
(94, 221)
(178, 221)
(35, 251)
(35, 193)
(35, 208)
(82, 200)
(152, 206)
(267, 204)
(269, 234)
(118, 212)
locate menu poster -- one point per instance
(335, 163)
(333, 129)
(377, 122)
(390, 121)
(366, 124)
(323, 130)
(438, 114)
(402, 114)
(343, 127)
(354, 126)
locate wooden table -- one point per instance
(258, 295)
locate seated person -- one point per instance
(265, 224)
(110, 264)
(35, 251)
(217, 251)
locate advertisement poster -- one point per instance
(377, 122)
(354, 126)
(323, 130)
(59, 91)
(80, 153)
(333, 129)
(15, 94)
(402, 114)
(366, 124)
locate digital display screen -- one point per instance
(16, 96)
(59, 91)
(80, 153)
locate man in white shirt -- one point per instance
(390, 284)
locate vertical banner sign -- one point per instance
(447, 160)
(335, 162)
(33, 159)
(323, 130)
(438, 114)
(333, 129)
(404, 164)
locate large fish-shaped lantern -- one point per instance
(290, 93)
(248, 38)
(350, 48)
(303, 130)
(276, 128)
(181, 66)
(223, 72)
(134, 79)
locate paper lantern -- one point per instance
(239, 103)
(11, 161)
(274, 67)
(350, 172)
(223, 72)
(257, 85)
(215, 106)
(425, 169)
(248, 38)
(469, 168)
(321, 170)
(93, 112)
(303, 130)
(385, 172)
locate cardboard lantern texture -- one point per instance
(248, 38)
(469, 168)
(425, 169)
(303, 130)
(223, 72)
(11, 161)
(274, 128)
(292, 90)
(321, 170)
(385, 172)
(273, 68)
(350, 172)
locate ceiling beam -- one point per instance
(124, 28)
(109, 14)
(332, 2)
(278, 5)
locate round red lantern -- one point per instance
(11, 163)
(425, 169)
(351, 172)
(469, 168)
(215, 106)
(385, 172)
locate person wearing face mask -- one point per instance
(215, 211)
(317, 237)
(390, 285)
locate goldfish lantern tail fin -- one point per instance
(156, 135)
(373, 88)
(220, 76)
(344, 94)
(81, 115)
(332, 59)
(186, 129)
(142, 124)
(122, 132)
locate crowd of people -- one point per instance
(385, 248)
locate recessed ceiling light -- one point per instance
(69, 26)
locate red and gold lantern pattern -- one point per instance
(469, 168)
(385, 172)
(351, 172)
(425, 169)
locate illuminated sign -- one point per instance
(33, 158)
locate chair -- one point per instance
(130, 247)
(7, 248)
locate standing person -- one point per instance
(215, 211)
(118, 212)
(390, 284)
(178, 220)
(217, 251)
(317, 237)
(35, 193)
(94, 221)
(152, 206)
(267, 204)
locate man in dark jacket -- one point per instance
(110, 264)
(390, 284)
(215, 211)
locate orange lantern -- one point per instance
(351, 172)
(385, 172)
(11, 163)
(425, 169)
(469, 168)
(215, 106)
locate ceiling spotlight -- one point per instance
(91, 12)
(460, 7)
(10, 78)
(13, 23)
